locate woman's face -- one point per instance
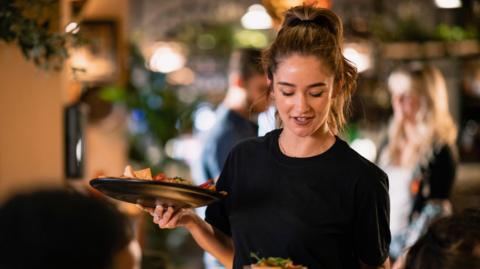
(302, 92)
(406, 105)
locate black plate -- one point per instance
(150, 193)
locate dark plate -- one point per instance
(149, 193)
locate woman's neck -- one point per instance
(303, 147)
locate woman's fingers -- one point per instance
(157, 214)
(168, 218)
(159, 211)
(173, 222)
(167, 215)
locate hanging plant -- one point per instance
(33, 26)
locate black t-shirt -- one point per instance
(326, 211)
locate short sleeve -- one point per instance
(217, 213)
(442, 173)
(371, 221)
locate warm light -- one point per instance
(448, 3)
(94, 67)
(365, 147)
(256, 18)
(359, 55)
(204, 118)
(399, 82)
(166, 58)
(72, 27)
(183, 76)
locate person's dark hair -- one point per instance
(246, 62)
(310, 31)
(59, 229)
(449, 243)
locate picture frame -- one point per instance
(95, 60)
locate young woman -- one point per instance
(299, 192)
(419, 153)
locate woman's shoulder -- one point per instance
(444, 149)
(255, 144)
(359, 165)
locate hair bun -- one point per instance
(310, 16)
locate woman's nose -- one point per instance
(301, 103)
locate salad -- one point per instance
(274, 262)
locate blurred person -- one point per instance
(299, 192)
(449, 243)
(235, 118)
(61, 229)
(419, 154)
(247, 83)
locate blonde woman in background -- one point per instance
(419, 154)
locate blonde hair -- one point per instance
(435, 126)
(310, 31)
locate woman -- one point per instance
(418, 155)
(299, 192)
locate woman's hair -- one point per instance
(310, 31)
(435, 125)
(449, 243)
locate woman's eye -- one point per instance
(316, 94)
(286, 93)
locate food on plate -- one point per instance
(146, 174)
(143, 174)
(128, 172)
(209, 185)
(274, 263)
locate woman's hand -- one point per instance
(169, 218)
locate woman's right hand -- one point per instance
(169, 218)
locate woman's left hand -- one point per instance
(169, 218)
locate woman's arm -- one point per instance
(213, 241)
(207, 237)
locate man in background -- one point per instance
(236, 115)
(235, 118)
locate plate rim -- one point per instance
(100, 180)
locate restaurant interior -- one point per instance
(88, 87)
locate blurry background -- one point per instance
(89, 86)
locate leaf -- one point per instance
(113, 94)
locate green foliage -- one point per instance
(29, 23)
(400, 30)
(205, 38)
(454, 33)
(411, 29)
(157, 107)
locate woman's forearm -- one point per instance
(212, 240)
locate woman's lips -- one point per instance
(302, 120)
